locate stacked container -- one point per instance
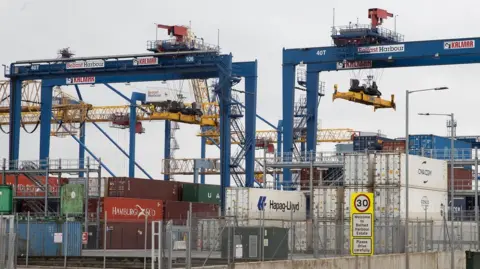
(438, 147)
(427, 181)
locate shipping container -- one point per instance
(177, 211)
(305, 175)
(144, 188)
(92, 185)
(394, 145)
(207, 236)
(438, 147)
(423, 172)
(344, 148)
(327, 202)
(330, 235)
(132, 210)
(72, 199)
(6, 199)
(201, 193)
(252, 203)
(358, 169)
(390, 202)
(41, 241)
(127, 235)
(370, 142)
(348, 191)
(25, 187)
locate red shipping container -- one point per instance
(177, 211)
(27, 188)
(394, 145)
(132, 210)
(460, 173)
(144, 188)
(127, 235)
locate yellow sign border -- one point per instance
(353, 210)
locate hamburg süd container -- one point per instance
(327, 202)
(253, 203)
(423, 172)
(201, 193)
(144, 188)
(72, 199)
(177, 211)
(358, 169)
(132, 210)
(6, 199)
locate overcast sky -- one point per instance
(249, 30)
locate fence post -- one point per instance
(145, 243)
(65, 241)
(28, 238)
(105, 230)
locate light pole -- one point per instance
(407, 258)
(452, 189)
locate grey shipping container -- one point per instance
(246, 243)
(144, 188)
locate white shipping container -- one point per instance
(358, 169)
(330, 237)
(423, 172)
(390, 203)
(346, 198)
(253, 203)
(92, 185)
(327, 202)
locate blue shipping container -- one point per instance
(438, 147)
(41, 241)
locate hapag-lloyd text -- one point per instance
(284, 206)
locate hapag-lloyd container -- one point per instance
(327, 202)
(358, 169)
(424, 172)
(348, 191)
(252, 203)
(144, 188)
(132, 210)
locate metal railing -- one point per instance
(366, 29)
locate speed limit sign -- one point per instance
(362, 203)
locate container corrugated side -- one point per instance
(237, 203)
(144, 188)
(387, 202)
(387, 169)
(6, 199)
(331, 237)
(92, 185)
(72, 199)
(358, 169)
(201, 193)
(348, 191)
(436, 199)
(177, 211)
(128, 235)
(327, 202)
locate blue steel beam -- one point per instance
(45, 121)
(320, 59)
(120, 148)
(82, 135)
(136, 96)
(15, 116)
(312, 109)
(167, 147)
(279, 150)
(248, 70)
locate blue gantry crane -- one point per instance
(360, 47)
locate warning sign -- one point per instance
(361, 224)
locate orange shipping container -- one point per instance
(132, 210)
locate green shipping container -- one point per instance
(6, 199)
(201, 193)
(72, 199)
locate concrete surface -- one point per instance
(430, 260)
